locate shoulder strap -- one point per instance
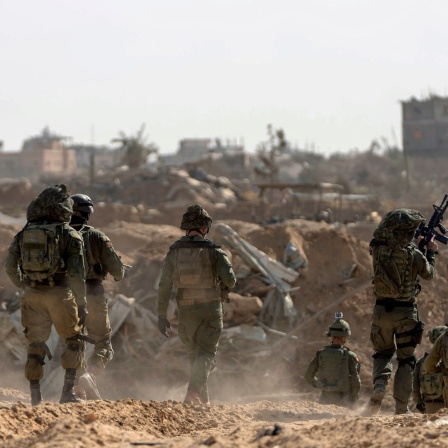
(192, 244)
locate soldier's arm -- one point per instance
(434, 356)
(75, 267)
(109, 259)
(355, 381)
(165, 285)
(310, 374)
(12, 265)
(224, 269)
(426, 264)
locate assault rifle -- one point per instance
(430, 230)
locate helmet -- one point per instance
(196, 218)
(82, 203)
(53, 203)
(435, 332)
(397, 228)
(339, 327)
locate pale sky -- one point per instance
(328, 72)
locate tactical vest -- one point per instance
(194, 272)
(392, 269)
(39, 248)
(333, 374)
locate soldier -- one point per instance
(198, 269)
(437, 361)
(46, 260)
(428, 387)
(335, 368)
(397, 264)
(101, 259)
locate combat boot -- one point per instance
(401, 408)
(379, 391)
(87, 382)
(192, 398)
(68, 390)
(36, 396)
(203, 396)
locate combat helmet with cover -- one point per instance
(196, 217)
(436, 332)
(39, 242)
(339, 327)
(397, 228)
(53, 205)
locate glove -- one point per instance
(421, 407)
(82, 315)
(163, 324)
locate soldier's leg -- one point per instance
(382, 339)
(64, 313)
(37, 327)
(189, 322)
(98, 328)
(406, 361)
(208, 335)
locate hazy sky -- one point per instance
(329, 73)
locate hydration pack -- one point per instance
(40, 252)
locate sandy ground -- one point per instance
(285, 423)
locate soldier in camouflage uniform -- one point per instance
(197, 268)
(101, 259)
(437, 362)
(335, 368)
(53, 295)
(397, 264)
(427, 387)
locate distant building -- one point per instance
(425, 126)
(41, 156)
(104, 156)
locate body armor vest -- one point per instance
(393, 277)
(333, 374)
(194, 275)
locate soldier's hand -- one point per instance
(421, 407)
(163, 325)
(432, 245)
(82, 314)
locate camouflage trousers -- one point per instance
(41, 308)
(98, 328)
(200, 328)
(391, 332)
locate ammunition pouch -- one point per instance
(416, 335)
(418, 332)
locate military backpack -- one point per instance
(40, 252)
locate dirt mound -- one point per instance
(129, 422)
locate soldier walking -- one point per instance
(46, 260)
(397, 264)
(197, 268)
(101, 259)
